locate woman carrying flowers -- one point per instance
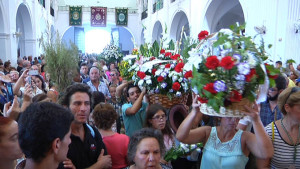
(224, 146)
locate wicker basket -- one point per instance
(165, 101)
(234, 110)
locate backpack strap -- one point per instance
(91, 129)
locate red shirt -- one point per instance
(116, 146)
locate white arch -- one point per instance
(26, 42)
(179, 19)
(211, 17)
(156, 31)
(3, 33)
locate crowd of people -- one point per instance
(103, 121)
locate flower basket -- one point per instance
(165, 101)
(235, 109)
(228, 70)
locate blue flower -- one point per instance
(219, 86)
(244, 68)
(237, 57)
(163, 85)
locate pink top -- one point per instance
(116, 146)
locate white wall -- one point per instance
(36, 13)
(279, 19)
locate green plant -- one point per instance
(61, 61)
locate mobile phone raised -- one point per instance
(33, 72)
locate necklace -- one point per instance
(291, 140)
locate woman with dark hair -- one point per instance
(105, 116)
(145, 149)
(156, 117)
(39, 82)
(9, 145)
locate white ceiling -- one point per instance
(132, 4)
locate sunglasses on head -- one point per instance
(112, 74)
(294, 90)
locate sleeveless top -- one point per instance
(227, 155)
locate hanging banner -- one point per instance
(98, 16)
(75, 16)
(121, 16)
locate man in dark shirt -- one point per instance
(87, 149)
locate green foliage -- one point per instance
(155, 49)
(61, 62)
(290, 61)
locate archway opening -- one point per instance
(157, 32)
(222, 14)
(24, 33)
(180, 20)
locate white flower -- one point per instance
(147, 77)
(164, 74)
(251, 60)
(149, 81)
(141, 82)
(180, 79)
(193, 146)
(172, 65)
(158, 72)
(178, 94)
(174, 78)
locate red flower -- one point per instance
(162, 51)
(210, 87)
(168, 54)
(178, 67)
(141, 75)
(273, 76)
(202, 35)
(168, 65)
(160, 79)
(202, 100)
(152, 58)
(235, 96)
(175, 57)
(188, 74)
(250, 75)
(227, 62)
(212, 62)
(176, 86)
(153, 71)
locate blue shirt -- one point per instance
(267, 115)
(134, 122)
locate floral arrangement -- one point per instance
(124, 67)
(182, 150)
(111, 53)
(161, 71)
(228, 67)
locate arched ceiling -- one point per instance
(132, 4)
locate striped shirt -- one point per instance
(283, 152)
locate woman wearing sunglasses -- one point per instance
(285, 133)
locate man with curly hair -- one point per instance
(87, 149)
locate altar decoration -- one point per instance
(111, 54)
